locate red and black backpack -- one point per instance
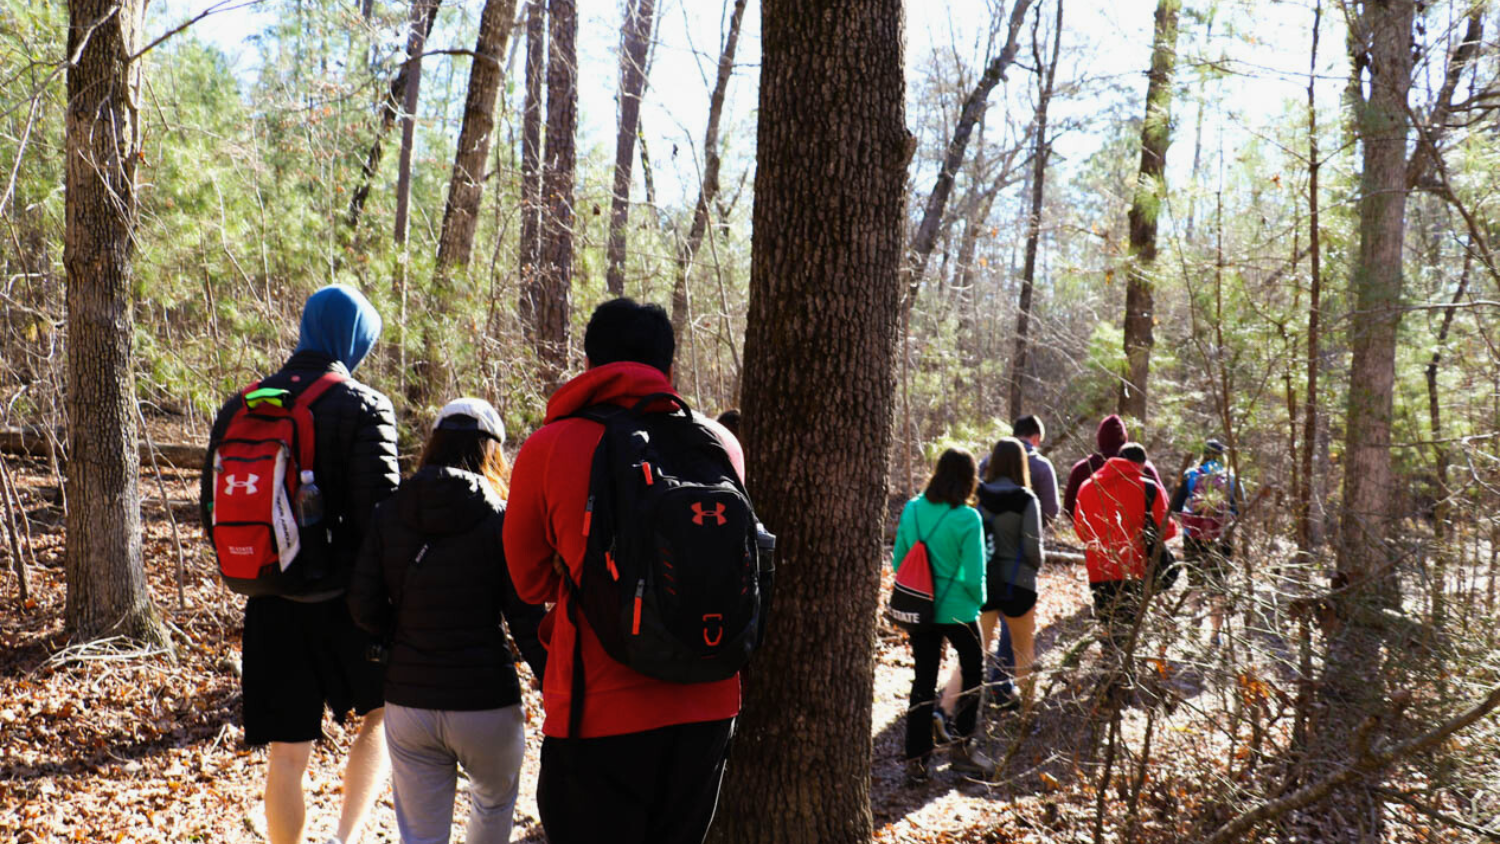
(258, 467)
(674, 583)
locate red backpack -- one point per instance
(260, 464)
(911, 605)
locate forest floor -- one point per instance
(103, 743)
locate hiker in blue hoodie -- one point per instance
(301, 652)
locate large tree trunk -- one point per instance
(551, 287)
(1041, 153)
(107, 592)
(635, 39)
(1380, 38)
(421, 12)
(708, 191)
(1150, 193)
(953, 158)
(825, 298)
(390, 110)
(531, 156)
(465, 190)
(466, 187)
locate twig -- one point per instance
(1441, 817)
(1364, 765)
(166, 503)
(17, 562)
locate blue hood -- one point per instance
(340, 322)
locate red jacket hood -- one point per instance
(1111, 435)
(612, 383)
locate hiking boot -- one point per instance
(966, 758)
(940, 732)
(917, 771)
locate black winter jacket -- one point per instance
(355, 456)
(432, 581)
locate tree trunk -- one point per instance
(422, 11)
(708, 192)
(825, 294)
(106, 579)
(466, 187)
(1380, 39)
(465, 190)
(1440, 510)
(974, 105)
(1034, 222)
(390, 110)
(1150, 192)
(1303, 506)
(531, 157)
(635, 39)
(550, 289)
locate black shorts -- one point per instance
(1207, 562)
(1117, 602)
(1010, 600)
(299, 658)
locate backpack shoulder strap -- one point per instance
(302, 415)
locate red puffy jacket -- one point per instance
(544, 516)
(1111, 514)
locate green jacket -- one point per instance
(955, 546)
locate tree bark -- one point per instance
(390, 110)
(932, 217)
(635, 40)
(708, 191)
(1150, 191)
(531, 156)
(466, 187)
(422, 12)
(1041, 153)
(825, 295)
(1303, 505)
(1380, 39)
(551, 287)
(106, 579)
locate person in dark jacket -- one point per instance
(302, 653)
(432, 582)
(1110, 437)
(1012, 517)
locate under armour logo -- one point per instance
(716, 621)
(248, 485)
(717, 513)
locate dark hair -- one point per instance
(472, 451)
(1008, 460)
(625, 330)
(1028, 426)
(953, 479)
(731, 420)
(1134, 452)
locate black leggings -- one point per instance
(927, 652)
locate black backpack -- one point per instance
(677, 569)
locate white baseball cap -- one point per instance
(471, 414)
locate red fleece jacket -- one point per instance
(544, 516)
(1111, 513)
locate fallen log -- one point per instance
(32, 441)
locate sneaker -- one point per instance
(917, 771)
(940, 732)
(1005, 699)
(966, 758)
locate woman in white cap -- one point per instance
(431, 582)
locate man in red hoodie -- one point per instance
(1110, 437)
(649, 756)
(1110, 522)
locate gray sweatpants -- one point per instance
(426, 747)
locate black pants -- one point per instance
(660, 786)
(927, 652)
(1117, 603)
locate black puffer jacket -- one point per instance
(432, 581)
(355, 455)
